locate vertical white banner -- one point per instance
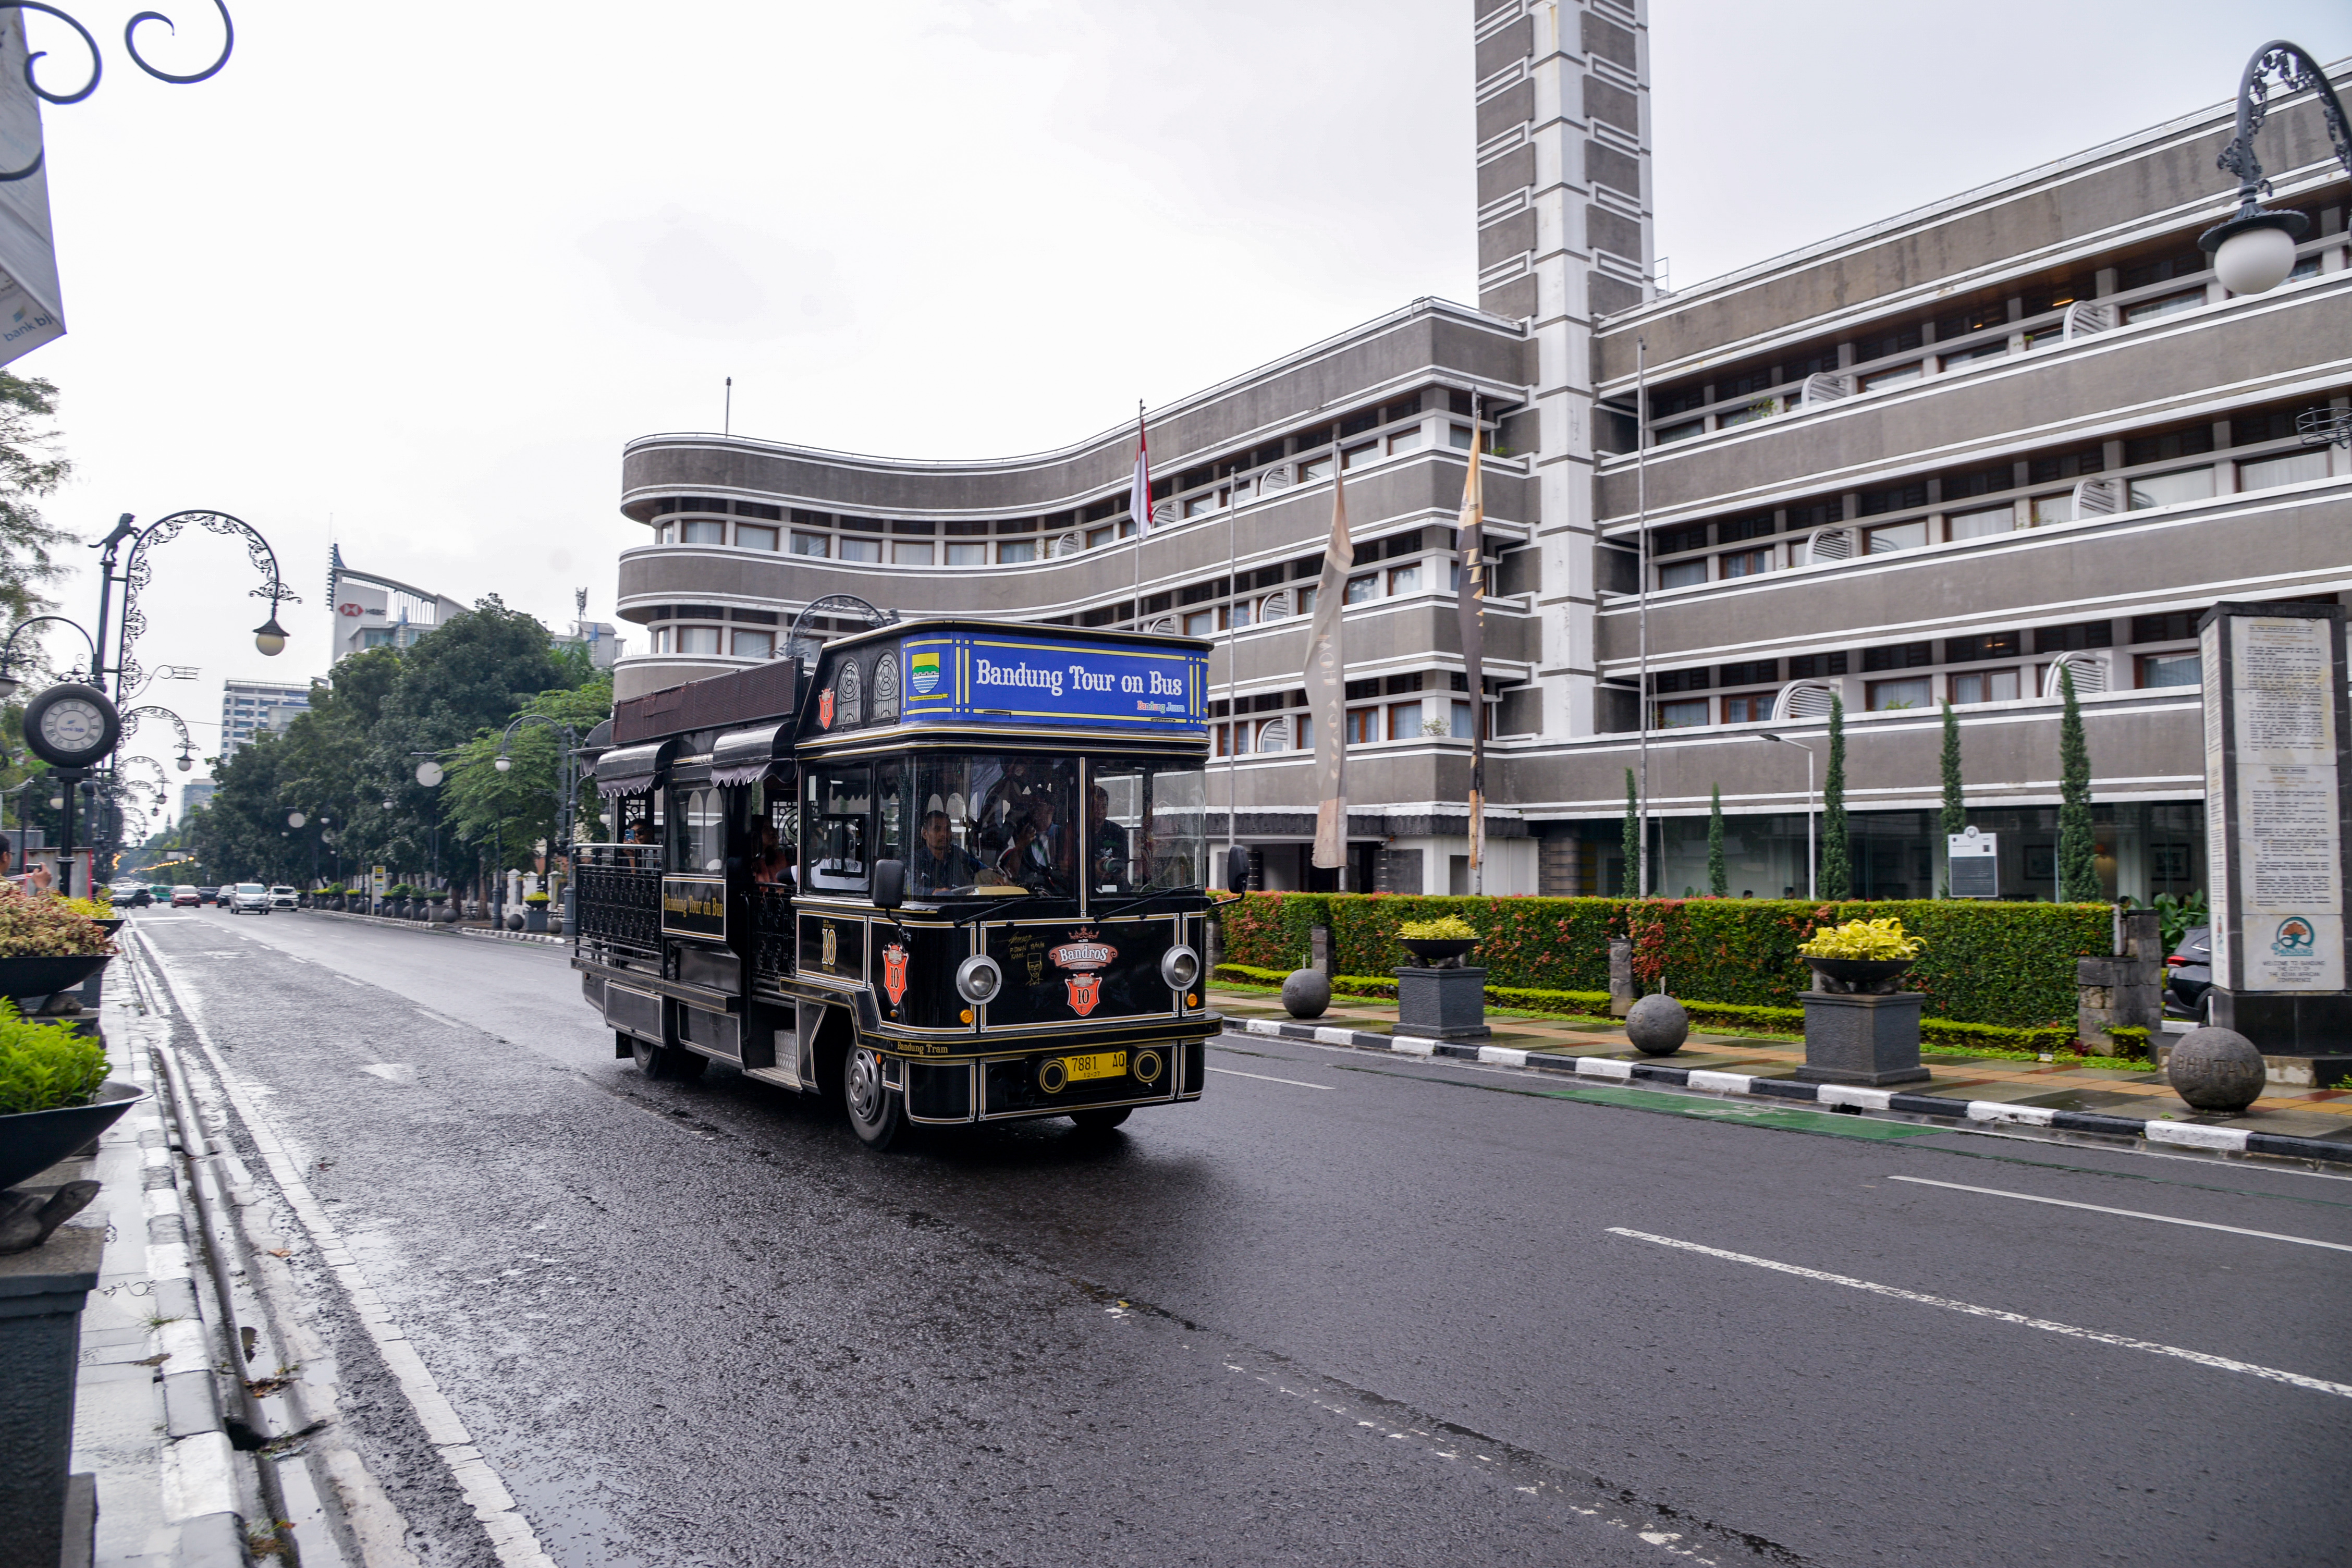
(32, 309)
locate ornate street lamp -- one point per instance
(268, 636)
(2254, 251)
(9, 682)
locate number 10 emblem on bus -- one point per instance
(1086, 954)
(893, 972)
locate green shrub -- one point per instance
(2130, 1041)
(2011, 965)
(46, 1066)
(35, 925)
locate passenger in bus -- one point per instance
(938, 862)
(1038, 857)
(1107, 854)
(774, 865)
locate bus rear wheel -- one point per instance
(1098, 1121)
(667, 1061)
(874, 1111)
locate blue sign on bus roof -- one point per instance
(979, 678)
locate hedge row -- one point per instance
(2008, 964)
(2053, 1040)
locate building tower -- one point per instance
(1565, 234)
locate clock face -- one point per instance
(72, 725)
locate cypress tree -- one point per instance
(2078, 865)
(1956, 811)
(1633, 840)
(1718, 877)
(1837, 870)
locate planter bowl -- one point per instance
(34, 1140)
(1860, 977)
(1438, 954)
(24, 977)
(111, 927)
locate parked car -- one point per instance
(282, 898)
(208, 895)
(248, 898)
(2188, 974)
(186, 898)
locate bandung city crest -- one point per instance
(893, 972)
(1085, 955)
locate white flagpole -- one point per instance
(1232, 669)
(1644, 871)
(1138, 501)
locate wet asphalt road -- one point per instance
(1346, 1309)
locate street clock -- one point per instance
(71, 725)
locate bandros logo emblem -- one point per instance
(924, 673)
(1086, 954)
(2296, 938)
(824, 708)
(893, 972)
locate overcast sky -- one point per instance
(408, 278)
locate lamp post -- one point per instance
(1811, 865)
(269, 638)
(2253, 250)
(9, 681)
(567, 788)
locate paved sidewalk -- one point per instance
(2055, 1085)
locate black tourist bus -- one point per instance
(958, 875)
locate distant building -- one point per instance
(195, 796)
(373, 611)
(249, 708)
(602, 640)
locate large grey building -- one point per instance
(1927, 461)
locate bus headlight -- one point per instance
(1180, 966)
(978, 978)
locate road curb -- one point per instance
(1982, 1112)
(439, 926)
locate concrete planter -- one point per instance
(41, 1296)
(1441, 1003)
(534, 918)
(33, 1141)
(1871, 1040)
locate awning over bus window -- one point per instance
(741, 756)
(633, 770)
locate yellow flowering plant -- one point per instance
(1447, 927)
(1881, 939)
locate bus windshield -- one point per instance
(991, 823)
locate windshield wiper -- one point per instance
(1138, 903)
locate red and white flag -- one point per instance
(1139, 499)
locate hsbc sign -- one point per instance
(349, 607)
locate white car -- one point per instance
(285, 898)
(248, 897)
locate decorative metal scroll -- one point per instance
(796, 640)
(97, 61)
(130, 717)
(135, 576)
(2295, 71)
(884, 705)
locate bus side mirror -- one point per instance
(889, 884)
(1237, 869)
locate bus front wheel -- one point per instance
(874, 1111)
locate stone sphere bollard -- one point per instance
(1306, 994)
(1657, 1025)
(2216, 1069)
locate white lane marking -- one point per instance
(1262, 1078)
(349, 980)
(2270, 1373)
(2127, 1214)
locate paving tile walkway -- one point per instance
(2059, 1085)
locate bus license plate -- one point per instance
(1102, 1064)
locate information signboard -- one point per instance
(1974, 860)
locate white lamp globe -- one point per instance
(2254, 260)
(504, 765)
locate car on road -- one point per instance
(2188, 974)
(285, 897)
(248, 898)
(160, 891)
(209, 895)
(186, 898)
(130, 896)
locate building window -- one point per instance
(1894, 377)
(1364, 590)
(698, 639)
(1013, 551)
(1357, 456)
(2170, 670)
(1983, 686)
(750, 536)
(1404, 720)
(1404, 579)
(755, 645)
(1095, 537)
(1814, 666)
(1890, 694)
(1747, 562)
(1303, 727)
(1458, 437)
(2150, 309)
(665, 534)
(1404, 440)
(1682, 574)
(707, 532)
(1981, 524)
(1981, 351)
(861, 549)
(1897, 536)
(1682, 432)
(1200, 505)
(812, 545)
(1363, 725)
(1201, 624)
(1689, 714)
(1307, 596)
(2173, 625)
(2288, 469)
(1238, 616)
(1752, 708)
(2048, 509)
(1899, 656)
(908, 552)
(2170, 489)
(1460, 722)
(1314, 469)
(967, 555)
